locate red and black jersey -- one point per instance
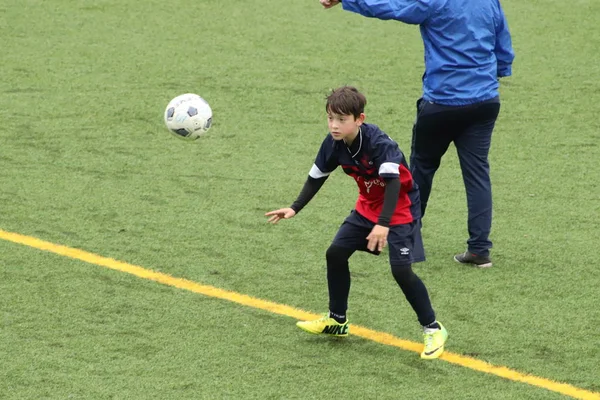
(372, 157)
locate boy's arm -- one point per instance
(407, 11)
(390, 200)
(324, 164)
(503, 50)
(310, 188)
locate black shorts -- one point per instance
(404, 241)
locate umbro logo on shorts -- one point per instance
(404, 251)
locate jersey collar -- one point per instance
(360, 140)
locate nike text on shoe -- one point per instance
(434, 342)
(325, 325)
(473, 259)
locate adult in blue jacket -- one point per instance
(467, 48)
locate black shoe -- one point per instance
(470, 258)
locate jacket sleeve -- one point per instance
(407, 11)
(503, 49)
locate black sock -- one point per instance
(415, 292)
(338, 280)
(339, 318)
(433, 325)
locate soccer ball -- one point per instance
(188, 116)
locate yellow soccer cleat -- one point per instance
(434, 342)
(326, 325)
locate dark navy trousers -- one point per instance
(470, 129)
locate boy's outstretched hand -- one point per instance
(329, 3)
(377, 238)
(282, 213)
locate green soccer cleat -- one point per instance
(326, 325)
(434, 342)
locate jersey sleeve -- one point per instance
(407, 11)
(387, 157)
(326, 161)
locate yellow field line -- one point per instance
(366, 333)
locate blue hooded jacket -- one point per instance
(467, 44)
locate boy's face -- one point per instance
(344, 126)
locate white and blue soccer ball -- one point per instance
(188, 116)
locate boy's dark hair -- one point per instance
(346, 100)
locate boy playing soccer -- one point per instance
(387, 212)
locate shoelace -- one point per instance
(429, 337)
